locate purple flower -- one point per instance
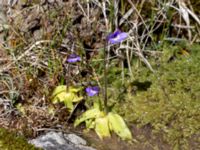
(117, 37)
(91, 91)
(73, 58)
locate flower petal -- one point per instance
(91, 91)
(119, 38)
(113, 35)
(73, 58)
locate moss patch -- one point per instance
(171, 103)
(11, 141)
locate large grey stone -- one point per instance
(60, 141)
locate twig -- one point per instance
(104, 14)
(83, 10)
(105, 79)
(116, 9)
(126, 15)
(24, 54)
(128, 61)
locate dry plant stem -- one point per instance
(179, 30)
(95, 75)
(125, 16)
(85, 14)
(143, 22)
(128, 56)
(145, 36)
(145, 61)
(17, 34)
(141, 5)
(24, 54)
(104, 14)
(123, 74)
(116, 8)
(105, 79)
(195, 17)
(185, 15)
(138, 13)
(141, 56)
(122, 65)
(137, 50)
(129, 63)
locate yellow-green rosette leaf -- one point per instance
(71, 97)
(90, 124)
(97, 105)
(74, 89)
(61, 89)
(89, 114)
(60, 97)
(101, 127)
(117, 124)
(77, 98)
(61, 94)
(68, 103)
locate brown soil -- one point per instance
(143, 139)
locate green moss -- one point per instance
(171, 103)
(11, 141)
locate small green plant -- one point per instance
(104, 123)
(67, 95)
(98, 117)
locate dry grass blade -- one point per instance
(116, 9)
(126, 16)
(184, 13)
(27, 52)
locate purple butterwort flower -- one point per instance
(91, 91)
(117, 37)
(73, 58)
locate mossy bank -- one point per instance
(12, 141)
(169, 99)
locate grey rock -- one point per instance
(75, 139)
(60, 141)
